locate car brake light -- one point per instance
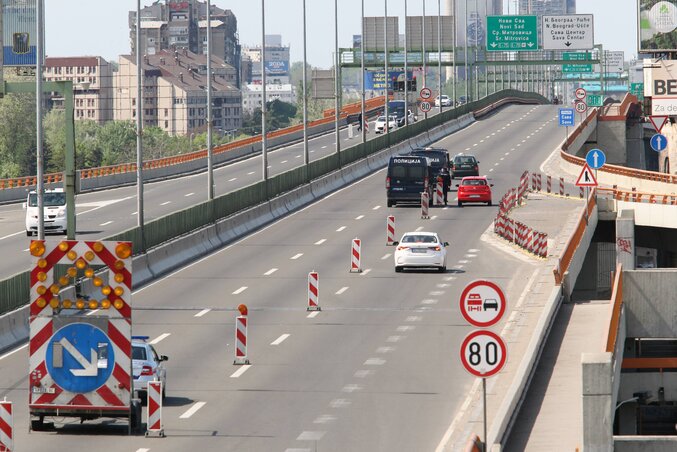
(435, 248)
(146, 371)
(475, 167)
(388, 183)
(402, 247)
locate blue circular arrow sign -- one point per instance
(659, 142)
(73, 354)
(595, 158)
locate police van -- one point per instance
(407, 177)
(54, 203)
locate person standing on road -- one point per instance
(359, 122)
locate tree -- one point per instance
(88, 153)
(118, 142)
(54, 126)
(17, 135)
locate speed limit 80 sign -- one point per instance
(483, 353)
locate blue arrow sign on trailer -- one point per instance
(595, 158)
(659, 142)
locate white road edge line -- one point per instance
(13, 351)
(192, 410)
(159, 338)
(280, 339)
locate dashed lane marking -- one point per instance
(188, 194)
(413, 318)
(341, 290)
(312, 315)
(159, 338)
(238, 373)
(106, 223)
(165, 203)
(232, 179)
(376, 207)
(365, 271)
(283, 161)
(359, 217)
(340, 229)
(296, 256)
(393, 339)
(386, 256)
(339, 403)
(250, 173)
(280, 339)
(363, 373)
(192, 410)
(375, 362)
(320, 242)
(324, 419)
(240, 290)
(270, 272)
(201, 313)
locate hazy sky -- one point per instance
(100, 27)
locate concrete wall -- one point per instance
(625, 239)
(649, 297)
(645, 443)
(597, 402)
(611, 137)
(635, 147)
(657, 215)
(576, 264)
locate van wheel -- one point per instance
(29, 233)
(489, 203)
(398, 269)
(460, 204)
(390, 203)
(442, 269)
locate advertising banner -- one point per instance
(19, 25)
(657, 26)
(277, 67)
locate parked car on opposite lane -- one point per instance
(464, 165)
(421, 250)
(474, 189)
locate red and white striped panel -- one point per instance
(425, 205)
(241, 340)
(528, 237)
(548, 184)
(439, 193)
(509, 229)
(115, 392)
(539, 182)
(355, 255)
(536, 245)
(543, 250)
(533, 182)
(390, 230)
(6, 426)
(313, 291)
(561, 186)
(154, 414)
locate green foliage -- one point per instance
(17, 135)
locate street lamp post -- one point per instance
(337, 84)
(406, 69)
(210, 162)
(362, 126)
(264, 141)
(38, 123)
(139, 129)
(439, 52)
(306, 155)
(385, 54)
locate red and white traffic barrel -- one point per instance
(313, 291)
(241, 340)
(356, 255)
(154, 414)
(390, 230)
(425, 205)
(6, 426)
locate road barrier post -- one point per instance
(241, 340)
(355, 256)
(425, 205)
(313, 292)
(390, 230)
(543, 251)
(154, 413)
(439, 193)
(6, 426)
(581, 192)
(548, 183)
(561, 186)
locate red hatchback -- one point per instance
(474, 189)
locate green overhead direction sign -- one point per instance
(638, 90)
(594, 100)
(513, 33)
(577, 67)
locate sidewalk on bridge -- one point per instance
(558, 217)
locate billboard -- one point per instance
(277, 67)
(19, 32)
(657, 26)
(376, 79)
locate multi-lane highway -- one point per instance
(376, 370)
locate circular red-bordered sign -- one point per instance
(482, 303)
(581, 106)
(580, 93)
(483, 353)
(426, 93)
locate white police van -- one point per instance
(54, 202)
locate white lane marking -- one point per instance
(340, 229)
(359, 217)
(250, 173)
(481, 141)
(437, 293)
(442, 286)
(463, 261)
(106, 223)
(323, 419)
(507, 153)
(518, 145)
(270, 272)
(413, 318)
(341, 290)
(12, 235)
(298, 156)
(393, 339)
(320, 242)
(402, 329)
(312, 315)
(159, 338)
(376, 207)
(324, 147)
(188, 194)
(429, 301)
(450, 278)
(420, 228)
(375, 362)
(385, 349)
(458, 267)
(92, 312)
(496, 164)
(280, 339)
(201, 313)
(341, 403)
(233, 179)
(192, 410)
(474, 145)
(351, 388)
(296, 256)
(470, 255)
(269, 166)
(310, 436)
(240, 290)
(365, 271)
(165, 203)
(491, 170)
(363, 373)
(240, 371)
(314, 150)
(13, 351)
(467, 149)
(386, 256)
(143, 449)
(283, 161)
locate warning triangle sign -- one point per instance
(658, 122)
(586, 178)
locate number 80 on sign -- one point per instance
(483, 353)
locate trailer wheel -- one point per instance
(136, 416)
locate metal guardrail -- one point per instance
(14, 290)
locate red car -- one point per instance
(474, 189)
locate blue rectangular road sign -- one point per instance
(566, 116)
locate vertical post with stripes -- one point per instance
(439, 192)
(548, 183)
(561, 186)
(425, 205)
(6, 426)
(355, 256)
(241, 356)
(154, 414)
(313, 292)
(390, 230)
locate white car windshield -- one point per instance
(381, 118)
(419, 239)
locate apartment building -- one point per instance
(252, 95)
(92, 78)
(174, 92)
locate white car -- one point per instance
(380, 124)
(147, 366)
(421, 250)
(54, 203)
(446, 101)
(411, 119)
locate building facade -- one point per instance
(183, 25)
(252, 95)
(174, 92)
(277, 61)
(92, 79)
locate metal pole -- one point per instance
(38, 123)
(363, 110)
(453, 61)
(264, 141)
(484, 413)
(306, 155)
(337, 86)
(465, 56)
(139, 129)
(210, 163)
(406, 69)
(477, 73)
(385, 55)
(423, 50)
(439, 51)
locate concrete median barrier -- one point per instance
(13, 327)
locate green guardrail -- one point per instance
(14, 290)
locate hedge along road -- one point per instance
(376, 369)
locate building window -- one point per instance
(166, 113)
(166, 124)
